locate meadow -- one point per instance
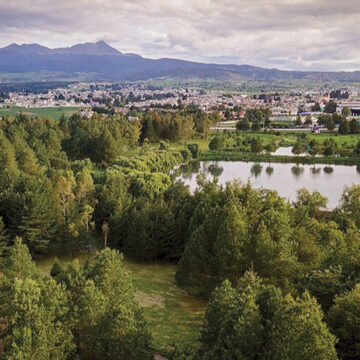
(54, 112)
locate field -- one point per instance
(286, 138)
(54, 112)
(173, 315)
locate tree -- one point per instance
(316, 107)
(344, 320)
(243, 125)
(39, 215)
(330, 147)
(215, 143)
(4, 240)
(344, 127)
(28, 162)
(308, 120)
(194, 149)
(346, 111)
(330, 124)
(354, 126)
(105, 232)
(314, 148)
(33, 311)
(255, 126)
(18, 262)
(108, 322)
(256, 145)
(298, 121)
(256, 321)
(36, 325)
(350, 203)
(330, 107)
(84, 191)
(357, 148)
(64, 189)
(298, 148)
(86, 215)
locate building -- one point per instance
(353, 106)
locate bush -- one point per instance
(194, 149)
(186, 154)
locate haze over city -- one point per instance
(317, 35)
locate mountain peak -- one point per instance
(99, 48)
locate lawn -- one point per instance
(54, 112)
(173, 315)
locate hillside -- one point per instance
(100, 61)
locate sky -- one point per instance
(285, 34)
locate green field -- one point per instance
(173, 315)
(54, 112)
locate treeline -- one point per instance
(180, 125)
(298, 254)
(54, 189)
(255, 119)
(101, 138)
(307, 261)
(80, 312)
(280, 277)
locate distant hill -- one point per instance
(104, 62)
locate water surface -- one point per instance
(286, 179)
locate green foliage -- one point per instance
(330, 107)
(344, 127)
(344, 320)
(101, 138)
(180, 125)
(243, 125)
(34, 312)
(107, 321)
(256, 321)
(256, 145)
(194, 149)
(215, 143)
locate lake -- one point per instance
(286, 179)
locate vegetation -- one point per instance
(281, 279)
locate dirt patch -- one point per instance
(147, 300)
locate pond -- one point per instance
(286, 179)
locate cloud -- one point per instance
(290, 34)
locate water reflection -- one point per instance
(256, 170)
(187, 170)
(315, 171)
(269, 170)
(297, 171)
(283, 177)
(328, 170)
(215, 170)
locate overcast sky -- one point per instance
(287, 34)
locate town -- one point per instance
(285, 107)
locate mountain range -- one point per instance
(104, 62)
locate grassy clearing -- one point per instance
(54, 112)
(173, 315)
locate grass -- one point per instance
(54, 112)
(172, 314)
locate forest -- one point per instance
(281, 279)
